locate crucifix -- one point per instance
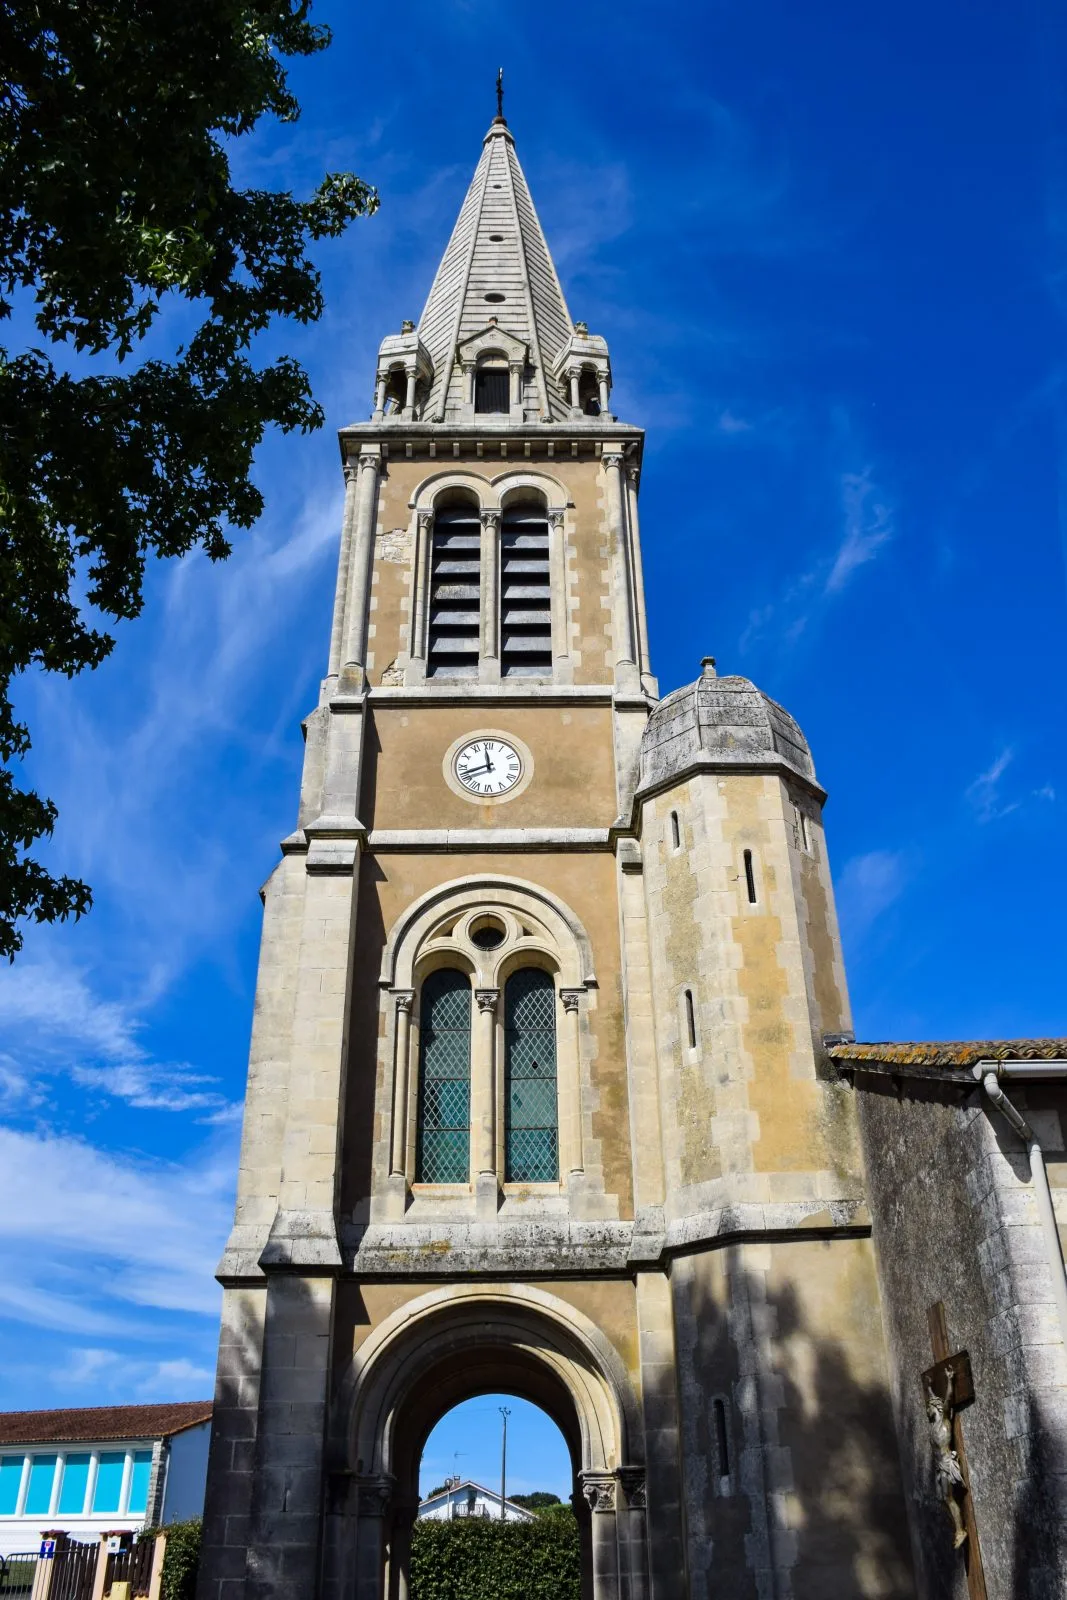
(500, 93)
(947, 1388)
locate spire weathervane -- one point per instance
(500, 94)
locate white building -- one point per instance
(469, 1499)
(100, 1469)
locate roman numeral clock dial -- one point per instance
(488, 767)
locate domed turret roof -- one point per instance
(720, 722)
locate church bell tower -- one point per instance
(536, 1098)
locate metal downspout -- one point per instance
(986, 1073)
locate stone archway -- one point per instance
(448, 1346)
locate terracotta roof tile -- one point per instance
(102, 1422)
(950, 1053)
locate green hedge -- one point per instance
(181, 1559)
(474, 1558)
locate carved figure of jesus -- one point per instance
(947, 1472)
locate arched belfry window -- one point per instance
(455, 592)
(525, 592)
(531, 1130)
(492, 385)
(444, 1078)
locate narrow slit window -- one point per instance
(444, 1079)
(491, 391)
(676, 832)
(531, 1130)
(525, 593)
(455, 593)
(721, 1440)
(690, 1020)
(750, 878)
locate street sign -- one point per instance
(48, 1549)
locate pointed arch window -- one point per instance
(455, 592)
(525, 592)
(531, 1122)
(444, 1079)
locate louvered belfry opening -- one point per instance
(455, 593)
(531, 1132)
(525, 592)
(492, 386)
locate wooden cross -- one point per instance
(936, 1378)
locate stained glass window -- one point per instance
(531, 1133)
(444, 1079)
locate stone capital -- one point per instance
(555, 516)
(425, 518)
(632, 1483)
(570, 998)
(487, 999)
(369, 462)
(375, 1493)
(613, 458)
(599, 1491)
(404, 999)
(490, 518)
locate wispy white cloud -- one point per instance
(866, 888)
(95, 1233)
(983, 793)
(56, 1025)
(867, 525)
(93, 1372)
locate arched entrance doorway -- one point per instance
(445, 1347)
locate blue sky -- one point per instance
(828, 247)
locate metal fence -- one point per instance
(16, 1573)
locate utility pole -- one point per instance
(505, 1413)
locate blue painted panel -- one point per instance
(109, 1480)
(10, 1479)
(142, 1466)
(75, 1484)
(39, 1497)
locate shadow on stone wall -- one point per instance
(813, 1505)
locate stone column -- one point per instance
(573, 375)
(483, 1103)
(374, 1495)
(379, 394)
(644, 661)
(633, 1533)
(337, 630)
(401, 1069)
(626, 673)
(516, 390)
(409, 393)
(602, 380)
(599, 1491)
(571, 1156)
(423, 570)
(490, 585)
(404, 1514)
(469, 371)
(557, 575)
(357, 611)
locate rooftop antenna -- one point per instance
(500, 94)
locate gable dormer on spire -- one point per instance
(495, 337)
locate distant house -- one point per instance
(100, 1469)
(469, 1499)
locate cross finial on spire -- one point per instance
(500, 94)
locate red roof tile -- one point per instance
(88, 1423)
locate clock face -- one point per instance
(488, 766)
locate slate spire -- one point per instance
(497, 265)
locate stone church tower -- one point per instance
(539, 1098)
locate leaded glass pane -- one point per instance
(531, 1137)
(444, 1079)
